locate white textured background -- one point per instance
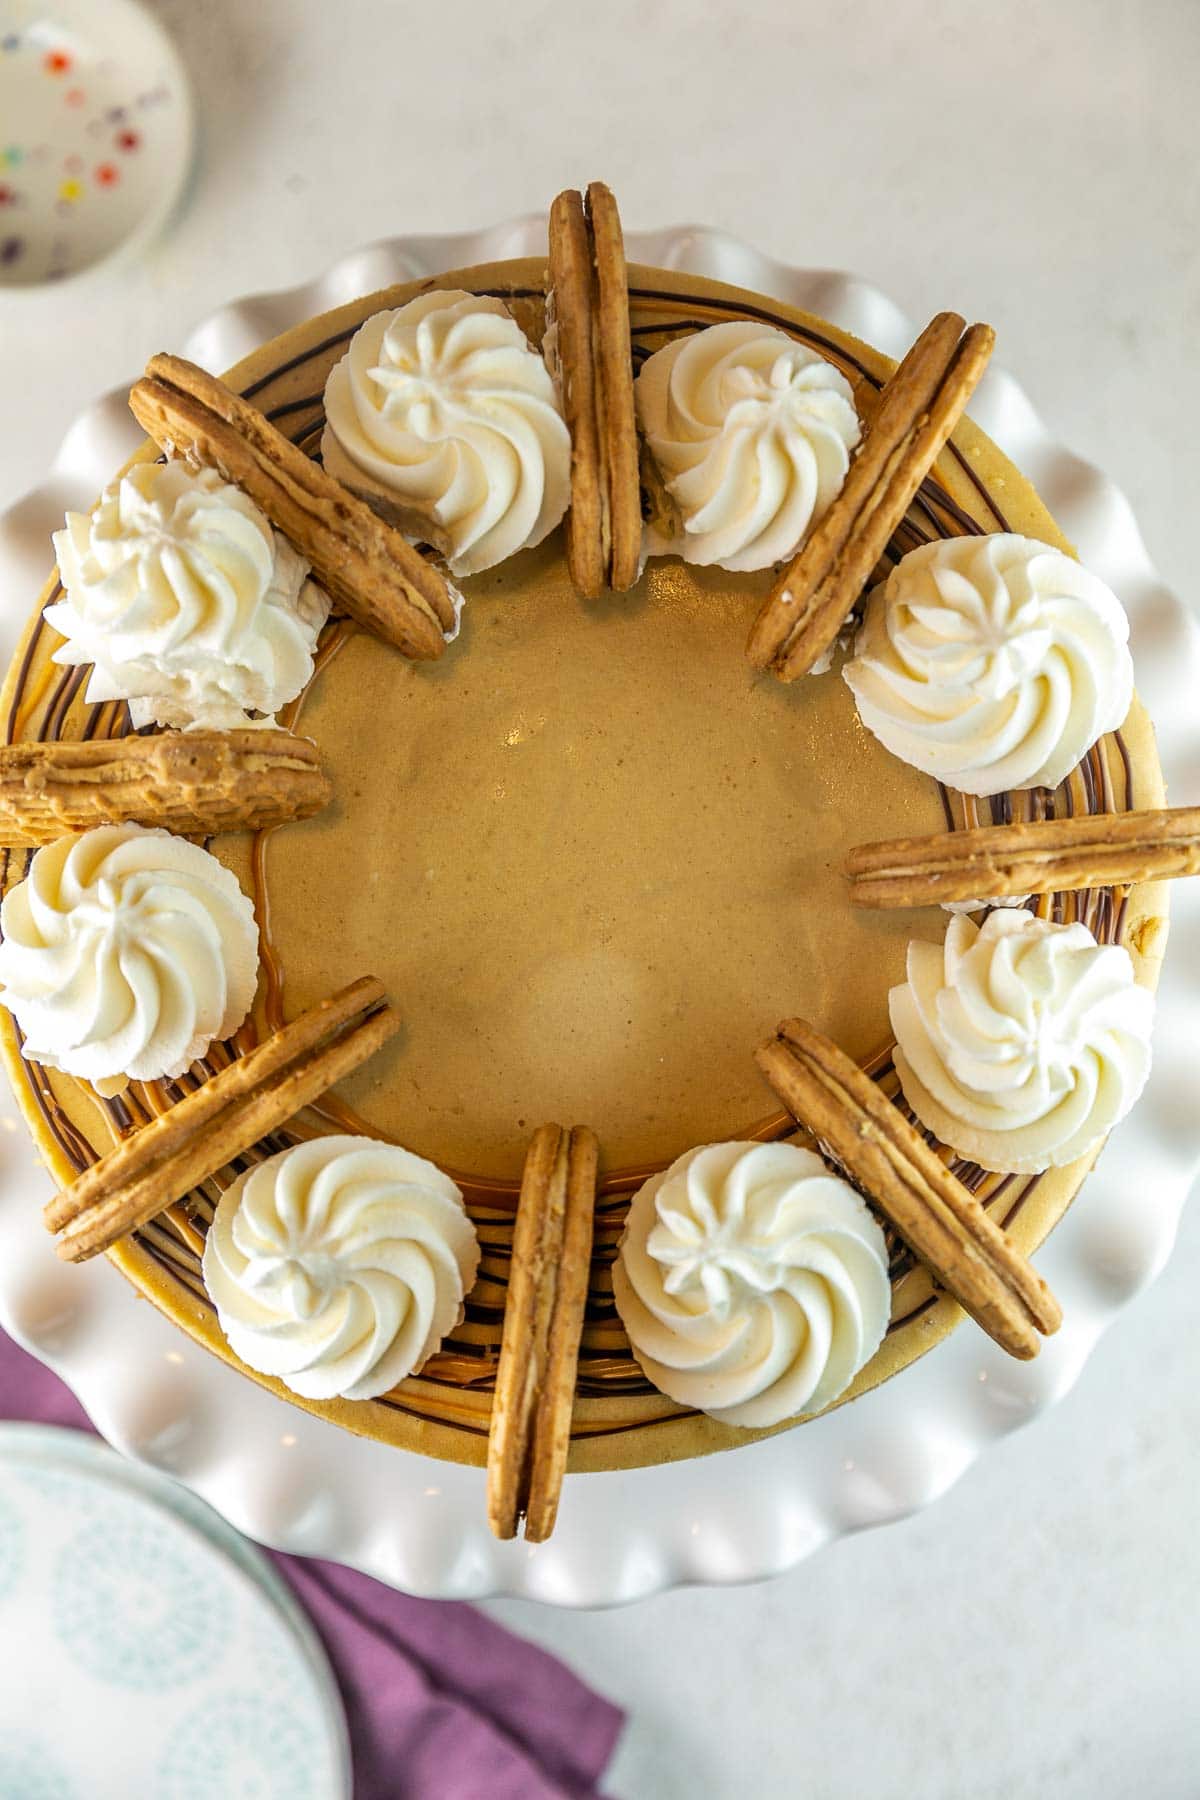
(1035, 164)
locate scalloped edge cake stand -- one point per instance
(299, 1483)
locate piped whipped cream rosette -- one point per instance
(445, 418)
(339, 1265)
(185, 601)
(1020, 1042)
(126, 952)
(752, 1282)
(991, 662)
(751, 434)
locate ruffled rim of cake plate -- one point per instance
(295, 1481)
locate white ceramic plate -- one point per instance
(299, 1483)
(96, 136)
(180, 1659)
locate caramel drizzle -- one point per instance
(466, 1363)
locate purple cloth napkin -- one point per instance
(442, 1704)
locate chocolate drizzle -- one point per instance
(50, 706)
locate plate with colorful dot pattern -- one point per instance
(159, 1651)
(96, 134)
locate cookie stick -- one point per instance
(1035, 856)
(919, 407)
(247, 1100)
(938, 1218)
(371, 571)
(196, 783)
(543, 1321)
(587, 308)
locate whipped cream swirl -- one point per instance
(445, 407)
(125, 952)
(185, 600)
(1020, 1043)
(752, 1282)
(991, 662)
(752, 434)
(339, 1265)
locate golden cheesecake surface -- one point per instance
(594, 859)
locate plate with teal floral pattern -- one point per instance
(147, 1648)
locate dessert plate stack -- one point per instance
(159, 1652)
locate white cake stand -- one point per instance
(298, 1483)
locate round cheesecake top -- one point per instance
(594, 859)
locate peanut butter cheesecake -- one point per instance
(576, 694)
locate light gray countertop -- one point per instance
(1036, 1633)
